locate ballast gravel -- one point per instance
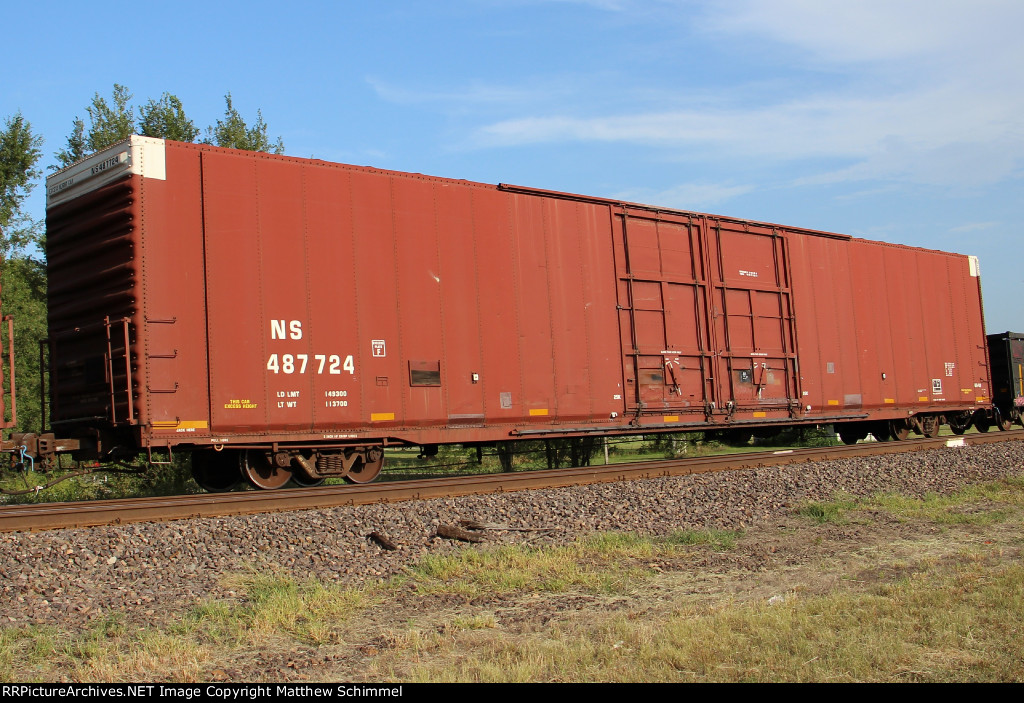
(151, 571)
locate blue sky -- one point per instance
(892, 120)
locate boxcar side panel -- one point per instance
(334, 316)
(564, 230)
(374, 259)
(378, 303)
(236, 333)
(823, 295)
(533, 300)
(418, 283)
(498, 332)
(281, 292)
(171, 329)
(458, 252)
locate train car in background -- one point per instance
(284, 318)
(1006, 355)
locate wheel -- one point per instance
(932, 426)
(852, 433)
(881, 432)
(301, 478)
(368, 469)
(215, 472)
(982, 423)
(305, 482)
(257, 466)
(1003, 422)
(960, 422)
(899, 429)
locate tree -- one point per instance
(166, 119)
(19, 153)
(23, 288)
(76, 145)
(109, 124)
(114, 120)
(234, 133)
(23, 275)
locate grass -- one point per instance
(609, 607)
(274, 611)
(607, 563)
(117, 482)
(277, 606)
(720, 540)
(974, 505)
(834, 511)
(962, 626)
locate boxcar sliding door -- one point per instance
(706, 315)
(662, 301)
(753, 329)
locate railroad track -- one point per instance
(52, 516)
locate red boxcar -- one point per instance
(298, 315)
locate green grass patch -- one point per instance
(272, 610)
(607, 563)
(972, 505)
(24, 653)
(720, 540)
(511, 569)
(829, 511)
(309, 611)
(117, 482)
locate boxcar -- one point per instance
(292, 317)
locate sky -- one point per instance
(895, 120)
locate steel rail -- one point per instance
(52, 516)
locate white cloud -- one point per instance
(880, 132)
(935, 95)
(876, 30)
(975, 227)
(474, 93)
(922, 92)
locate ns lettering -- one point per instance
(286, 329)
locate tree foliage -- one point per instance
(233, 132)
(109, 123)
(112, 120)
(75, 149)
(19, 154)
(23, 287)
(23, 275)
(166, 119)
